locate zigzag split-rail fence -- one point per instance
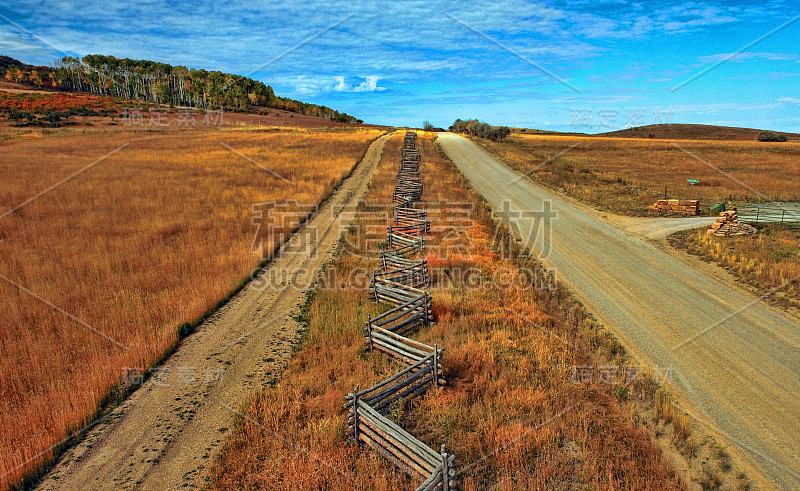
(400, 281)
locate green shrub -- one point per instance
(771, 136)
(481, 130)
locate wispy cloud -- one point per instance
(747, 55)
(401, 63)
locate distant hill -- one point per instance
(159, 83)
(690, 132)
(7, 61)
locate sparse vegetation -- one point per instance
(768, 261)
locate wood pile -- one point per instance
(686, 206)
(400, 283)
(728, 225)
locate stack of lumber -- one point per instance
(686, 206)
(400, 282)
(728, 225)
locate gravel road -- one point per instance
(735, 359)
(165, 434)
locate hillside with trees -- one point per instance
(160, 83)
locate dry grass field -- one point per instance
(511, 412)
(626, 175)
(769, 261)
(102, 268)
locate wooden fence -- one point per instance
(400, 282)
(401, 448)
(399, 238)
(414, 274)
(405, 317)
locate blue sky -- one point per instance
(581, 65)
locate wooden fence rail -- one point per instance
(411, 382)
(407, 212)
(399, 282)
(405, 317)
(398, 238)
(402, 253)
(415, 275)
(413, 230)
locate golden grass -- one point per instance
(768, 261)
(144, 241)
(626, 175)
(510, 412)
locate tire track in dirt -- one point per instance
(165, 434)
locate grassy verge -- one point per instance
(770, 261)
(512, 412)
(626, 175)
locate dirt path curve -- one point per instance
(167, 432)
(735, 360)
(657, 228)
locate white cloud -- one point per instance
(314, 86)
(369, 84)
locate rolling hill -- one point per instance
(689, 132)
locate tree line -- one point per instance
(473, 127)
(161, 83)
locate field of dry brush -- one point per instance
(113, 255)
(769, 261)
(626, 175)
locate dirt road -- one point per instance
(166, 433)
(735, 360)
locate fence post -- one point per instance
(369, 331)
(445, 470)
(783, 215)
(426, 308)
(758, 209)
(435, 365)
(355, 413)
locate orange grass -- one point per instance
(510, 412)
(142, 242)
(626, 175)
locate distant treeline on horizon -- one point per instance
(160, 83)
